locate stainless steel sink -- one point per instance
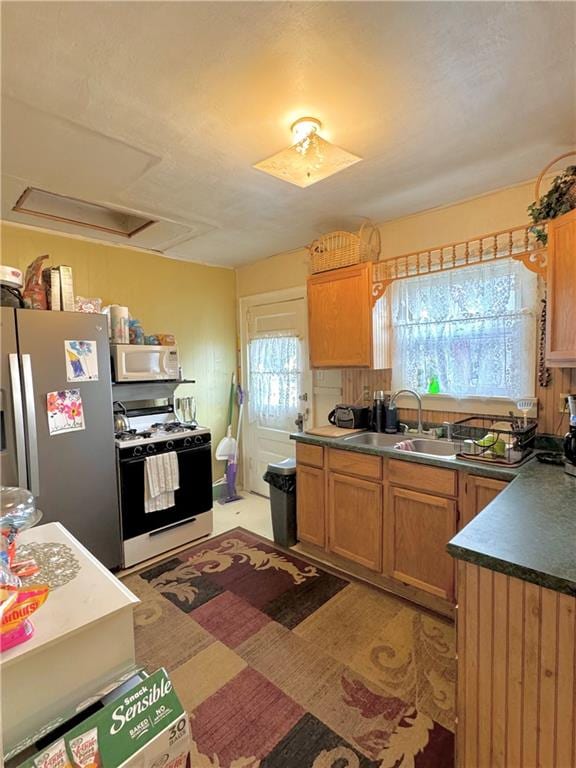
(421, 445)
(428, 447)
(375, 439)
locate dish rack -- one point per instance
(497, 441)
(343, 249)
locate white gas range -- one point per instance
(154, 430)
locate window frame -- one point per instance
(497, 405)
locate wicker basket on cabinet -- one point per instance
(342, 249)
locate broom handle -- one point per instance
(240, 395)
(231, 400)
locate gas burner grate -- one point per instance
(171, 426)
(128, 434)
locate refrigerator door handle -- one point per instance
(34, 473)
(18, 420)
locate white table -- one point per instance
(83, 640)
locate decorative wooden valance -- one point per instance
(518, 243)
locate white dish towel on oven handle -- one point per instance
(161, 479)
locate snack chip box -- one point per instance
(146, 727)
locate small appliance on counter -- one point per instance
(350, 416)
(570, 439)
(378, 420)
(392, 421)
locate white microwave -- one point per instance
(143, 362)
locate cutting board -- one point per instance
(330, 431)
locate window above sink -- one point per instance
(467, 333)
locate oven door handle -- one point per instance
(182, 451)
(173, 525)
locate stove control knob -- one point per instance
(187, 441)
(150, 448)
(198, 439)
(138, 450)
(170, 445)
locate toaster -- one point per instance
(350, 416)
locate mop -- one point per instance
(232, 465)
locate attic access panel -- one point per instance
(49, 205)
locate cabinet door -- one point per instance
(355, 519)
(340, 317)
(310, 509)
(479, 492)
(417, 527)
(561, 289)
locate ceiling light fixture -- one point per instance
(310, 158)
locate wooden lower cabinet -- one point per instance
(310, 505)
(397, 528)
(355, 519)
(478, 493)
(516, 690)
(417, 527)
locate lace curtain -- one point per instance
(474, 329)
(275, 371)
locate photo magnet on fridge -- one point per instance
(65, 411)
(81, 361)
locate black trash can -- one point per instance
(281, 478)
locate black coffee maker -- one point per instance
(570, 439)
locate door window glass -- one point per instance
(275, 370)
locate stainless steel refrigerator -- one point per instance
(72, 474)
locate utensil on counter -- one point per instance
(525, 406)
(514, 420)
(186, 408)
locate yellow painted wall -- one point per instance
(494, 211)
(195, 302)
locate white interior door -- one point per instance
(278, 384)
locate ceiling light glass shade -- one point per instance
(310, 159)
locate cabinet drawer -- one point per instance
(312, 455)
(351, 463)
(423, 478)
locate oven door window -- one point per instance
(192, 498)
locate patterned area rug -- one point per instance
(283, 665)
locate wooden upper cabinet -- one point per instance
(355, 519)
(341, 319)
(478, 493)
(417, 527)
(561, 292)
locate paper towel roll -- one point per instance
(119, 317)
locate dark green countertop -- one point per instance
(528, 531)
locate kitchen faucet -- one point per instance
(418, 398)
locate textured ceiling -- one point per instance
(164, 107)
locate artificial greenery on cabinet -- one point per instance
(560, 198)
